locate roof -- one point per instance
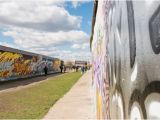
(8, 49)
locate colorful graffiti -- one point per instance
(15, 65)
(56, 64)
(125, 57)
(100, 78)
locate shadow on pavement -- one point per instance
(25, 81)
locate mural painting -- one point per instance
(125, 57)
(100, 79)
(15, 65)
(56, 64)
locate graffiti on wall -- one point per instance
(100, 78)
(126, 67)
(56, 64)
(13, 64)
(16, 65)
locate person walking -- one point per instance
(45, 70)
(61, 68)
(64, 69)
(76, 68)
(82, 70)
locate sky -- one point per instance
(50, 27)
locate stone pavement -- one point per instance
(77, 103)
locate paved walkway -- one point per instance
(77, 103)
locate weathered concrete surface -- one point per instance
(77, 103)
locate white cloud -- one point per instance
(85, 45)
(48, 15)
(53, 52)
(27, 38)
(81, 55)
(77, 3)
(63, 54)
(44, 27)
(76, 46)
(46, 2)
(80, 46)
(8, 45)
(48, 43)
(67, 51)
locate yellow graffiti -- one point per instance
(5, 73)
(8, 56)
(56, 64)
(19, 66)
(99, 105)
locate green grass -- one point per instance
(34, 102)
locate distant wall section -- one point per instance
(16, 64)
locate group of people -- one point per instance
(63, 69)
(45, 69)
(83, 69)
(75, 68)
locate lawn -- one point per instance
(34, 102)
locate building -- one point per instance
(81, 63)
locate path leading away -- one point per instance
(77, 103)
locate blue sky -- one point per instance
(84, 10)
(54, 28)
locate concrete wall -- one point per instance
(126, 62)
(100, 79)
(16, 64)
